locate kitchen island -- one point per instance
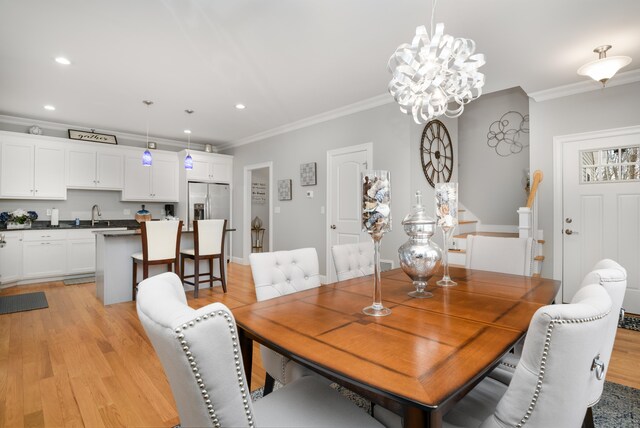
(114, 269)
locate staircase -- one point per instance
(468, 224)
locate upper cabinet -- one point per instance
(32, 170)
(158, 182)
(209, 167)
(94, 168)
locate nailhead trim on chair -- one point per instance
(195, 370)
(543, 363)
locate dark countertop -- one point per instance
(84, 224)
(118, 233)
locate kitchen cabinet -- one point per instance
(158, 182)
(32, 170)
(10, 257)
(94, 168)
(209, 167)
(44, 254)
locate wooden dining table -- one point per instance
(419, 360)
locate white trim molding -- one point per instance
(586, 86)
(312, 120)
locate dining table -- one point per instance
(419, 360)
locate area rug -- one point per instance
(23, 302)
(618, 407)
(84, 280)
(630, 322)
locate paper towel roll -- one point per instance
(54, 217)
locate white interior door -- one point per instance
(601, 210)
(344, 198)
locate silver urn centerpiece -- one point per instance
(419, 257)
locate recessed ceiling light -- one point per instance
(187, 131)
(62, 60)
(49, 107)
(241, 106)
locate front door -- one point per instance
(344, 198)
(601, 209)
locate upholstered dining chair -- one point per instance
(277, 274)
(160, 246)
(208, 244)
(561, 369)
(496, 254)
(199, 351)
(353, 260)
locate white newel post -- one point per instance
(525, 222)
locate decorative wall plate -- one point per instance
(436, 153)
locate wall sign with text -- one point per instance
(92, 136)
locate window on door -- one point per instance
(610, 165)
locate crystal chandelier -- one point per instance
(435, 75)
(603, 68)
(146, 156)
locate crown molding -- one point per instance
(313, 120)
(57, 126)
(586, 86)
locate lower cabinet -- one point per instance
(10, 257)
(43, 258)
(81, 256)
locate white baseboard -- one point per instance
(323, 279)
(239, 260)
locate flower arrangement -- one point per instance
(19, 216)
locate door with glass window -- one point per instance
(601, 210)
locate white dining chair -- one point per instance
(160, 246)
(277, 274)
(199, 351)
(496, 254)
(208, 244)
(353, 260)
(559, 375)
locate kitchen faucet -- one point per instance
(95, 210)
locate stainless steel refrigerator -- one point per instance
(210, 200)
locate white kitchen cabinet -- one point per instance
(94, 168)
(32, 170)
(10, 257)
(158, 182)
(81, 256)
(209, 167)
(44, 253)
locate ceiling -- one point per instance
(286, 60)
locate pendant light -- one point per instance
(188, 160)
(146, 156)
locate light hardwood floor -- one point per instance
(78, 363)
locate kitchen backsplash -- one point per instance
(79, 203)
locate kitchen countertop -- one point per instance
(116, 233)
(84, 224)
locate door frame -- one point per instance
(246, 208)
(558, 196)
(330, 275)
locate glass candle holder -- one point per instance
(376, 220)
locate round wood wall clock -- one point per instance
(436, 153)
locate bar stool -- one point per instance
(160, 246)
(208, 239)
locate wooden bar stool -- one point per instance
(208, 239)
(160, 246)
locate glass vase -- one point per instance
(446, 198)
(376, 220)
(446, 280)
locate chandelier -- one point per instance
(435, 75)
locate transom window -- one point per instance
(610, 165)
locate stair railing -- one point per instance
(528, 224)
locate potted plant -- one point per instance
(18, 219)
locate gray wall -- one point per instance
(492, 186)
(608, 108)
(79, 203)
(300, 222)
(262, 210)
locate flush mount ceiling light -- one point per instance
(49, 107)
(435, 75)
(62, 60)
(146, 156)
(188, 160)
(603, 69)
(241, 106)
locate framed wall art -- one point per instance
(74, 134)
(284, 190)
(308, 175)
(259, 192)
